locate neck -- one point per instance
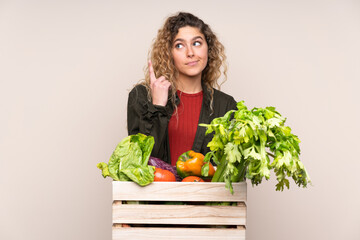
(189, 84)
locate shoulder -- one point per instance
(223, 102)
(223, 97)
(138, 91)
(138, 96)
(138, 88)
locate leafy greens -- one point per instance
(129, 161)
(240, 145)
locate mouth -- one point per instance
(192, 63)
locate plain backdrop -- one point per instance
(66, 68)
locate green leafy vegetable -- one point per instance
(240, 145)
(129, 161)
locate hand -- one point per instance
(159, 88)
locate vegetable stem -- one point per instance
(218, 175)
(270, 154)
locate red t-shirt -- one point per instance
(182, 126)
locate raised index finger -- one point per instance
(151, 72)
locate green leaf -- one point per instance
(105, 169)
(216, 143)
(232, 152)
(129, 161)
(205, 169)
(142, 175)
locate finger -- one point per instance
(168, 84)
(161, 79)
(151, 72)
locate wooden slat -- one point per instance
(137, 233)
(179, 214)
(179, 191)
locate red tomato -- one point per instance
(192, 179)
(162, 175)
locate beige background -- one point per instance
(67, 66)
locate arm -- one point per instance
(145, 117)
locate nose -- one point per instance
(190, 52)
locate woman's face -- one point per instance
(190, 52)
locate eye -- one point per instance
(179, 45)
(197, 43)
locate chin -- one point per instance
(193, 73)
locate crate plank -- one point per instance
(179, 214)
(156, 220)
(179, 191)
(137, 233)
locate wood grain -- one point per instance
(179, 191)
(179, 214)
(178, 234)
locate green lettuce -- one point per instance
(129, 161)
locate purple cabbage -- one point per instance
(158, 163)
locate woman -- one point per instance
(179, 88)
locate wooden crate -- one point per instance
(155, 219)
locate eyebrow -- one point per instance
(182, 40)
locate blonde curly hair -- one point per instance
(162, 60)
